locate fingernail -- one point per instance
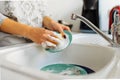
(64, 36)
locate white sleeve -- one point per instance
(2, 17)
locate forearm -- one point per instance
(14, 27)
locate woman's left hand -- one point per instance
(59, 27)
(55, 26)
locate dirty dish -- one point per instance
(65, 43)
(87, 69)
(64, 69)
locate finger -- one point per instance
(51, 33)
(47, 44)
(63, 35)
(51, 40)
(66, 28)
(56, 39)
(61, 32)
(50, 45)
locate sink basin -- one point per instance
(29, 59)
(90, 39)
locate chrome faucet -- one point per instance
(116, 27)
(114, 43)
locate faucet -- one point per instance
(115, 26)
(113, 42)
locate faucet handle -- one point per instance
(74, 16)
(116, 17)
(116, 27)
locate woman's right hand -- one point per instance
(40, 35)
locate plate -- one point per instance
(69, 40)
(64, 69)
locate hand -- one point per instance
(58, 27)
(52, 25)
(39, 35)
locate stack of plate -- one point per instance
(67, 69)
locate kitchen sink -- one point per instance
(27, 61)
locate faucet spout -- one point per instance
(94, 28)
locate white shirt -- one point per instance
(27, 12)
(2, 17)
